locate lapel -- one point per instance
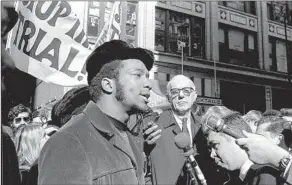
(195, 124)
(120, 143)
(107, 129)
(171, 122)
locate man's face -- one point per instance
(225, 152)
(133, 86)
(182, 95)
(261, 130)
(21, 119)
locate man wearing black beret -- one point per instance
(96, 146)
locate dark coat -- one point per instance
(166, 159)
(259, 175)
(10, 169)
(89, 150)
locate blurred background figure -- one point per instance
(19, 115)
(276, 129)
(10, 170)
(42, 116)
(287, 114)
(72, 103)
(29, 140)
(271, 112)
(252, 118)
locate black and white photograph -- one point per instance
(146, 92)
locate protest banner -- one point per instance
(49, 42)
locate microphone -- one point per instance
(218, 125)
(182, 141)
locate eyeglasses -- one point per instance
(18, 119)
(186, 91)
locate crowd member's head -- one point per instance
(271, 112)
(118, 77)
(277, 129)
(19, 115)
(224, 150)
(29, 140)
(72, 103)
(41, 116)
(252, 118)
(286, 114)
(181, 93)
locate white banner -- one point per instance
(49, 42)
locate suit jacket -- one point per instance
(90, 150)
(166, 159)
(259, 175)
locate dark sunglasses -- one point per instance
(18, 120)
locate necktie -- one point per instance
(184, 126)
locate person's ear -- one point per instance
(107, 85)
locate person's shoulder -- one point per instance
(266, 170)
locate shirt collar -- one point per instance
(244, 169)
(178, 118)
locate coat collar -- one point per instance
(105, 126)
(171, 122)
(98, 119)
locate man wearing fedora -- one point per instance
(96, 146)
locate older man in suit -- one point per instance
(166, 159)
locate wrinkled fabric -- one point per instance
(88, 150)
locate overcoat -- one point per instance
(90, 150)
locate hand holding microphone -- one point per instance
(151, 131)
(182, 141)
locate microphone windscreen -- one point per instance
(182, 140)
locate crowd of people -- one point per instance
(105, 133)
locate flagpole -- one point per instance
(182, 60)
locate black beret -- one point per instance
(115, 50)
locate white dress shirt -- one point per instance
(179, 122)
(244, 169)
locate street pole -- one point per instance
(286, 40)
(182, 60)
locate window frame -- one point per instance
(225, 53)
(192, 20)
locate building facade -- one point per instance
(235, 52)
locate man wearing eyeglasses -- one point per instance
(166, 160)
(19, 115)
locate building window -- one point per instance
(198, 84)
(278, 54)
(159, 30)
(93, 20)
(131, 23)
(171, 27)
(238, 46)
(244, 6)
(276, 11)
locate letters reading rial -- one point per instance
(50, 14)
